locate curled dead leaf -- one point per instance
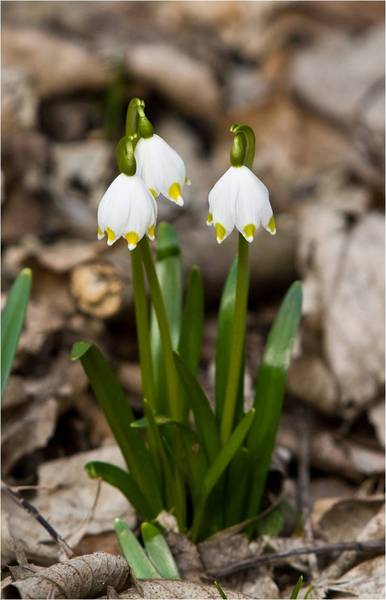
(97, 289)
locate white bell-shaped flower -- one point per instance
(239, 199)
(127, 210)
(161, 168)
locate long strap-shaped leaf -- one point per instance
(124, 482)
(203, 416)
(159, 552)
(119, 415)
(192, 321)
(168, 267)
(224, 332)
(12, 319)
(219, 465)
(269, 393)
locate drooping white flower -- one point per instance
(127, 210)
(239, 199)
(161, 168)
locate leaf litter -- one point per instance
(338, 370)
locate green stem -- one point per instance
(142, 321)
(237, 341)
(132, 116)
(175, 406)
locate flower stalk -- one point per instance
(159, 307)
(237, 341)
(243, 153)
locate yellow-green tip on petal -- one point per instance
(209, 219)
(110, 236)
(100, 233)
(151, 232)
(132, 239)
(187, 181)
(220, 232)
(249, 232)
(174, 194)
(154, 193)
(272, 226)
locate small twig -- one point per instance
(304, 489)
(33, 512)
(255, 561)
(82, 527)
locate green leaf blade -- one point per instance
(297, 587)
(224, 334)
(119, 415)
(12, 320)
(222, 460)
(269, 393)
(192, 322)
(124, 482)
(204, 418)
(135, 555)
(159, 552)
(169, 273)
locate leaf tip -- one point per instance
(79, 349)
(26, 272)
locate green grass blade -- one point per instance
(173, 483)
(309, 590)
(297, 588)
(269, 392)
(124, 482)
(135, 555)
(236, 487)
(159, 420)
(168, 267)
(159, 552)
(219, 465)
(12, 319)
(203, 416)
(219, 589)
(192, 322)
(228, 451)
(224, 333)
(119, 415)
(192, 464)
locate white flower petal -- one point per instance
(240, 199)
(160, 167)
(142, 215)
(113, 209)
(222, 201)
(127, 209)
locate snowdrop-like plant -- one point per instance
(208, 466)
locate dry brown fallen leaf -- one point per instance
(84, 577)
(165, 588)
(66, 498)
(342, 519)
(30, 416)
(97, 289)
(365, 581)
(335, 454)
(373, 530)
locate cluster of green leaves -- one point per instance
(12, 319)
(176, 460)
(154, 560)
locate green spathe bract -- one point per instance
(205, 463)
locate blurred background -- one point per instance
(309, 78)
